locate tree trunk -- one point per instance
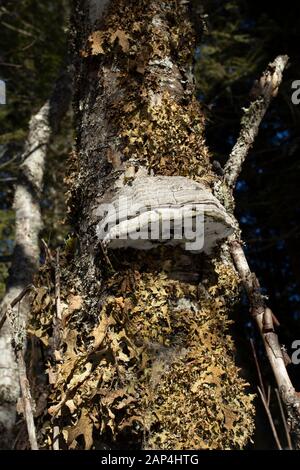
(25, 260)
(142, 357)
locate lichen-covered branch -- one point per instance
(26, 252)
(263, 317)
(263, 91)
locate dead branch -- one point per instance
(261, 382)
(263, 317)
(270, 418)
(27, 401)
(286, 427)
(57, 317)
(263, 91)
(18, 335)
(3, 314)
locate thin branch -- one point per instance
(264, 320)
(258, 309)
(270, 419)
(18, 336)
(47, 251)
(269, 396)
(7, 64)
(9, 162)
(14, 28)
(56, 433)
(8, 179)
(258, 368)
(57, 317)
(3, 314)
(286, 427)
(27, 401)
(264, 90)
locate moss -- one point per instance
(158, 363)
(168, 139)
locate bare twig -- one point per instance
(258, 308)
(8, 180)
(3, 314)
(258, 368)
(47, 251)
(27, 401)
(9, 162)
(57, 317)
(55, 438)
(269, 395)
(286, 427)
(14, 28)
(270, 419)
(18, 343)
(263, 91)
(105, 255)
(272, 347)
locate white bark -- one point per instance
(26, 252)
(96, 9)
(28, 226)
(264, 91)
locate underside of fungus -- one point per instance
(170, 210)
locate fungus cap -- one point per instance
(171, 210)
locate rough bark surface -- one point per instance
(145, 358)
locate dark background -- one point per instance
(242, 37)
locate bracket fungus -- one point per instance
(170, 210)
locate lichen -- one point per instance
(158, 135)
(156, 370)
(145, 359)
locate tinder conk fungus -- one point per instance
(170, 210)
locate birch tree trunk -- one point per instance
(142, 356)
(26, 252)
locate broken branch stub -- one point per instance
(170, 210)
